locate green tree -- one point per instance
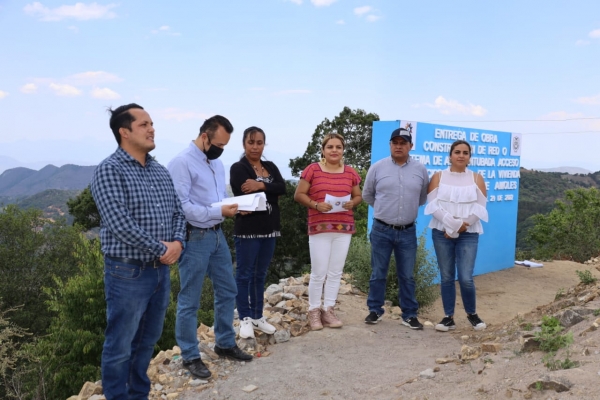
(356, 126)
(70, 353)
(32, 251)
(10, 335)
(291, 256)
(571, 230)
(84, 210)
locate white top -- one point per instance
(457, 199)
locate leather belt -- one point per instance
(212, 228)
(396, 227)
(139, 263)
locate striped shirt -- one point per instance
(334, 184)
(138, 207)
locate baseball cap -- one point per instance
(403, 133)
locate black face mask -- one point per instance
(213, 151)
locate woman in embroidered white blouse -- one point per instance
(457, 199)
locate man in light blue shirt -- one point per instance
(395, 187)
(199, 179)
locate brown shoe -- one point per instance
(329, 319)
(314, 319)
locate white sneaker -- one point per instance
(262, 325)
(246, 329)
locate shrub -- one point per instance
(586, 277)
(550, 338)
(358, 264)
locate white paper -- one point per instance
(336, 203)
(247, 202)
(529, 264)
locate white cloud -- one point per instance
(64, 89)
(362, 10)
(372, 18)
(257, 89)
(590, 101)
(582, 42)
(105, 94)
(181, 115)
(93, 78)
(73, 28)
(29, 88)
(296, 1)
(448, 107)
(595, 34)
(166, 29)
(294, 91)
(340, 22)
(79, 11)
(322, 3)
(3, 94)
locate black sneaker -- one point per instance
(372, 318)
(412, 323)
(197, 368)
(446, 324)
(234, 353)
(477, 323)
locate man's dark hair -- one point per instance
(211, 125)
(120, 117)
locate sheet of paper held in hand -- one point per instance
(247, 202)
(336, 202)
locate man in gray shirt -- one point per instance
(395, 187)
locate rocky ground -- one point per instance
(389, 361)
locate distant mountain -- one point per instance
(19, 182)
(52, 202)
(566, 170)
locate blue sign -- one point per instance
(496, 156)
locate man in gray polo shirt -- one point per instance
(395, 187)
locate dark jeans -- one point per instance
(253, 257)
(456, 255)
(403, 243)
(136, 302)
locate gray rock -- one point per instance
(272, 289)
(297, 290)
(568, 318)
(158, 387)
(274, 298)
(427, 374)
(288, 296)
(557, 384)
(282, 336)
(197, 382)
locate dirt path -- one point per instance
(382, 361)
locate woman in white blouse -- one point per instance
(457, 199)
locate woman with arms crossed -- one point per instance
(329, 233)
(457, 199)
(255, 233)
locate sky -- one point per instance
(285, 65)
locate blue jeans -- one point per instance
(136, 302)
(253, 257)
(206, 253)
(456, 255)
(403, 243)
